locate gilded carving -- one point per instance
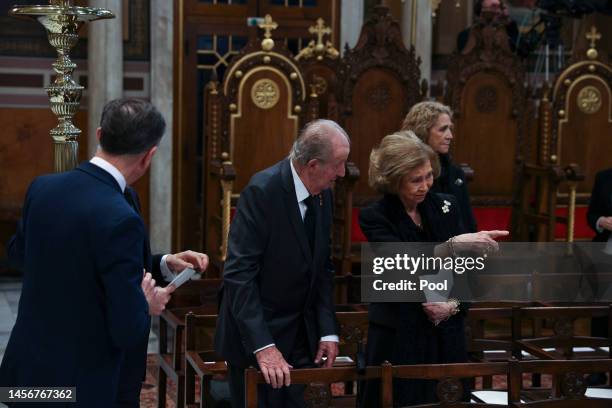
(589, 100)
(265, 93)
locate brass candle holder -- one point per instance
(62, 20)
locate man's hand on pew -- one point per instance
(187, 259)
(274, 367)
(327, 349)
(156, 297)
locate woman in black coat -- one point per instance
(403, 169)
(432, 123)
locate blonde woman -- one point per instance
(403, 169)
(432, 122)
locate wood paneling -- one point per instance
(486, 135)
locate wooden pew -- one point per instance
(563, 342)
(317, 381)
(568, 391)
(449, 388)
(201, 360)
(198, 296)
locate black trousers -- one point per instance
(267, 397)
(132, 374)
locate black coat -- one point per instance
(452, 181)
(400, 332)
(272, 283)
(600, 204)
(83, 319)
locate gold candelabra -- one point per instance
(62, 21)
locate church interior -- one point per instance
(529, 83)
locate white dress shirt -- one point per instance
(113, 171)
(301, 193)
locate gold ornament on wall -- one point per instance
(589, 100)
(265, 93)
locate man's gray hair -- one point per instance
(315, 142)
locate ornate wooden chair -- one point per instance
(378, 83)
(252, 119)
(320, 63)
(487, 94)
(573, 145)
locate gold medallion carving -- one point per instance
(265, 94)
(589, 100)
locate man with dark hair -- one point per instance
(277, 310)
(83, 318)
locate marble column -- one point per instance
(162, 61)
(417, 30)
(104, 65)
(351, 18)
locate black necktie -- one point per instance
(310, 219)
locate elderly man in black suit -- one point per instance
(277, 310)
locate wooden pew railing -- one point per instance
(198, 296)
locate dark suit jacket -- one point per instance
(386, 220)
(452, 181)
(81, 247)
(601, 203)
(272, 283)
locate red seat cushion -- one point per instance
(493, 218)
(581, 227)
(357, 234)
(498, 218)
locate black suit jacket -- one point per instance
(272, 283)
(452, 181)
(601, 203)
(82, 249)
(386, 220)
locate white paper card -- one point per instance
(182, 277)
